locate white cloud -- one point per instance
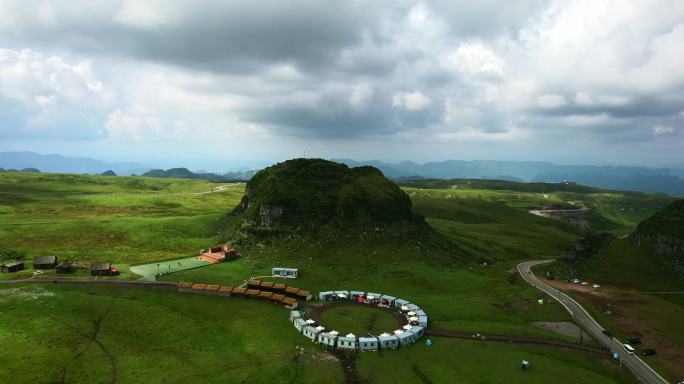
(411, 101)
(660, 130)
(123, 126)
(29, 77)
(360, 95)
(550, 101)
(473, 58)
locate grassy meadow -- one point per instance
(137, 220)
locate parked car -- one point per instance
(576, 281)
(633, 341)
(585, 283)
(608, 333)
(648, 352)
(596, 286)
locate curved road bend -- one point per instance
(637, 366)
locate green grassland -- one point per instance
(117, 219)
(67, 334)
(137, 220)
(358, 320)
(56, 333)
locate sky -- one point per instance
(221, 84)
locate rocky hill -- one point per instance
(664, 233)
(312, 193)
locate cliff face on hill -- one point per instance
(310, 193)
(664, 232)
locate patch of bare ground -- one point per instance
(631, 314)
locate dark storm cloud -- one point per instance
(215, 35)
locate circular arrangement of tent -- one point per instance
(414, 317)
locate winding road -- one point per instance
(638, 367)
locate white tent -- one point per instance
(309, 321)
(404, 308)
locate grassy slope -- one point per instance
(117, 219)
(241, 341)
(155, 336)
(455, 294)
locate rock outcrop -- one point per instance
(311, 193)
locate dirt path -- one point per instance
(348, 361)
(93, 339)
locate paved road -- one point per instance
(637, 366)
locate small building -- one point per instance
(197, 288)
(292, 273)
(299, 323)
(417, 331)
(412, 307)
(277, 297)
(254, 283)
(387, 300)
(265, 295)
(325, 296)
(291, 291)
(225, 290)
(252, 292)
(420, 312)
(304, 295)
(290, 303)
(44, 262)
(368, 343)
(387, 341)
(266, 285)
(400, 302)
(406, 338)
(279, 287)
(373, 298)
(347, 342)
(102, 269)
(184, 286)
(294, 315)
(239, 291)
(211, 289)
(311, 332)
(356, 294)
(422, 321)
(328, 338)
(64, 267)
(12, 267)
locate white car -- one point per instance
(576, 281)
(596, 286)
(585, 283)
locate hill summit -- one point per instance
(312, 193)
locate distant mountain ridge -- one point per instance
(640, 179)
(62, 164)
(184, 173)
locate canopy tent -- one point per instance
(309, 321)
